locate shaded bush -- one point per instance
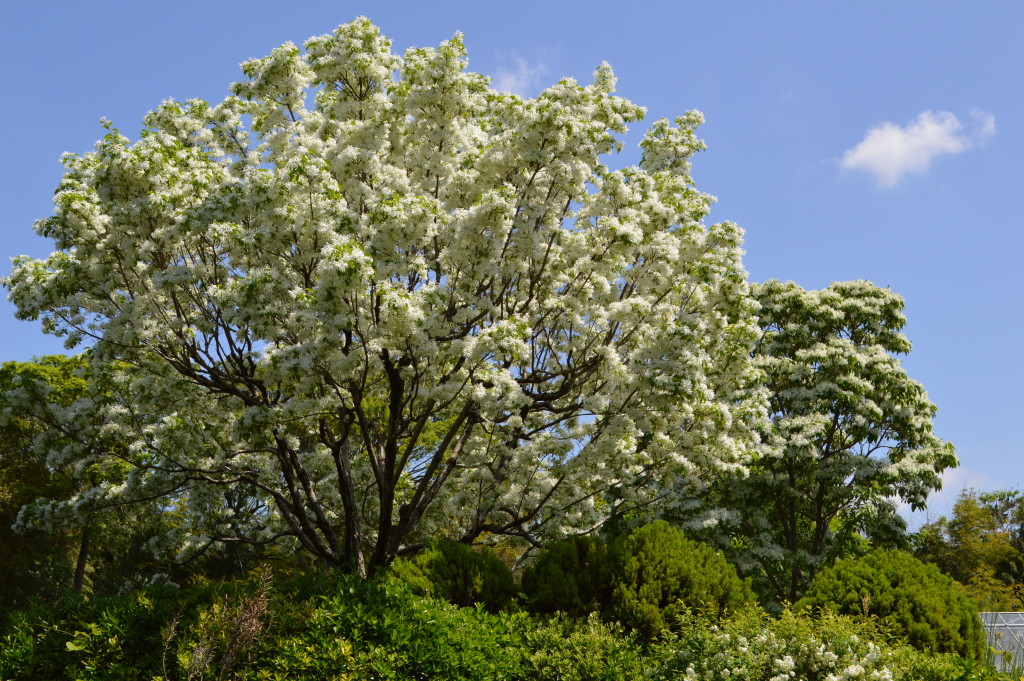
(573, 576)
(459, 574)
(909, 598)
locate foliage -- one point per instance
(50, 455)
(574, 576)
(584, 649)
(411, 306)
(46, 550)
(31, 562)
(303, 628)
(118, 637)
(982, 547)
(328, 627)
(755, 647)
(850, 432)
(642, 580)
(459, 574)
(660, 574)
(908, 598)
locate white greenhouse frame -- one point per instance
(1004, 632)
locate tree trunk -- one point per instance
(83, 555)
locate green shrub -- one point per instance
(343, 628)
(659, 574)
(754, 646)
(569, 649)
(643, 580)
(909, 598)
(459, 574)
(113, 637)
(573, 576)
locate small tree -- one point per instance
(908, 597)
(849, 432)
(405, 306)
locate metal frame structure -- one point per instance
(1004, 632)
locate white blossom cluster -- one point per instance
(383, 301)
(764, 654)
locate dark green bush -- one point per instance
(111, 638)
(643, 580)
(573, 576)
(659, 574)
(459, 574)
(909, 598)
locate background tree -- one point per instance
(981, 546)
(415, 307)
(58, 533)
(61, 550)
(32, 563)
(849, 432)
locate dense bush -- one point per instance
(643, 580)
(573, 576)
(909, 598)
(756, 647)
(659, 574)
(331, 627)
(304, 629)
(459, 574)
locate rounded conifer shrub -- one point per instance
(644, 580)
(907, 597)
(659, 574)
(459, 574)
(573, 576)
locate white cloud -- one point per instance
(521, 80)
(889, 151)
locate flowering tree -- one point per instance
(850, 431)
(40, 457)
(413, 306)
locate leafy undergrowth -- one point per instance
(337, 628)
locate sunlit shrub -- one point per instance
(659, 574)
(908, 598)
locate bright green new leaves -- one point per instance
(381, 302)
(981, 545)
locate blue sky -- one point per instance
(875, 140)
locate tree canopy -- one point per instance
(373, 301)
(981, 545)
(849, 432)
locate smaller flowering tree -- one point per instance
(412, 306)
(850, 431)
